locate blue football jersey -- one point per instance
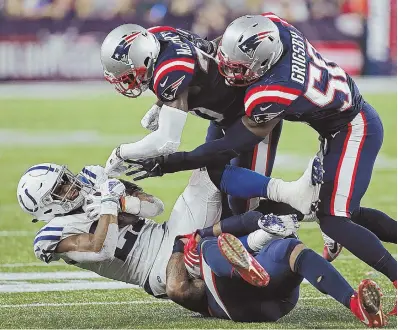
(186, 62)
(303, 86)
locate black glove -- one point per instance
(145, 168)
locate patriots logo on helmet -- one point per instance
(122, 50)
(250, 45)
(170, 91)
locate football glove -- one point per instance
(92, 206)
(145, 168)
(111, 192)
(191, 256)
(115, 166)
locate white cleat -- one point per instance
(302, 194)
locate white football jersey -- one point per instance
(137, 248)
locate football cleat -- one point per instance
(366, 305)
(282, 225)
(394, 310)
(302, 194)
(331, 248)
(244, 263)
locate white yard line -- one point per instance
(56, 287)
(78, 275)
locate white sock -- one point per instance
(257, 239)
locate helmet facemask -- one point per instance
(132, 83)
(236, 73)
(68, 192)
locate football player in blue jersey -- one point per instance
(287, 78)
(178, 68)
(220, 278)
(284, 77)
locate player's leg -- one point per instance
(364, 304)
(197, 207)
(348, 165)
(379, 223)
(260, 160)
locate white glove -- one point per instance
(151, 119)
(92, 206)
(115, 164)
(93, 175)
(111, 192)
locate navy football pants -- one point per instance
(233, 298)
(260, 159)
(348, 162)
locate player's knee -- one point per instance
(283, 249)
(294, 255)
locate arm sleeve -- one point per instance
(46, 242)
(106, 253)
(165, 140)
(218, 152)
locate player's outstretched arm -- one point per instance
(180, 287)
(165, 140)
(101, 245)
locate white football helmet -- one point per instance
(128, 56)
(46, 190)
(249, 47)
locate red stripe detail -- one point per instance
(278, 88)
(336, 179)
(347, 207)
(131, 37)
(183, 59)
(172, 68)
(156, 29)
(267, 99)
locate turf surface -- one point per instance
(78, 132)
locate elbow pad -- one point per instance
(165, 140)
(105, 254)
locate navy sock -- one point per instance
(379, 223)
(322, 275)
(360, 242)
(242, 224)
(243, 183)
(237, 225)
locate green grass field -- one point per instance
(78, 132)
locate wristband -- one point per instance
(178, 246)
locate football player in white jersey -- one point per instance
(123, 244)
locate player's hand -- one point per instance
(114, 165)
(151, 119)
(93, 175)
(92, 206)
(112, 190)
(191, 256)
(145, 168)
